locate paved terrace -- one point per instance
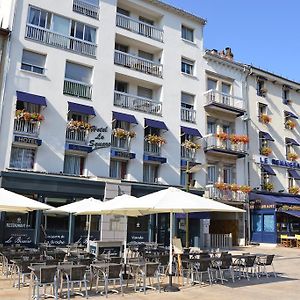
(285, 286)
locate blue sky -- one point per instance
(262, 33)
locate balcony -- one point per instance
(26, 127)
(58, 40)
(79, 136)
(188, 115)
(77, 89)
(152, 149)
(226, 195)
(188, 154)
(138, 64)
(215, 145)
(139, 27)
(224, 102)
(120, 143)
(86, 9)
(137, 103)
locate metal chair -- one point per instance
(77, 274)
(223, 265)
(47, 276)
(113, 273)
(245, 264)
(202, 268)
(265, 261)
(151, 270)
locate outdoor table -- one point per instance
(291, 240)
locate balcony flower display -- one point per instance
(245, 189)
(292, 156)
(79, 125)
(244, 139)
(155, 139)
(266, 151)
(234, 138)
(222, 136)
(264, 118)
(122, 133)
(290, 124)
(221, 186)
(234, 187)
(191, 145)
(22, 114)
(268, 186)
(294, 190)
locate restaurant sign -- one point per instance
(276, 162)
(101, 138)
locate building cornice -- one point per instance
(177, 11)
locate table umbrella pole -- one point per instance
(170, 287)
(89, 232)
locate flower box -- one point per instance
(221, 186)
(190, 145)
(79, 125)
(222, 136)
(268, 186)
(22, 114)
(122, 133)
(292, 156)
(289, 124)
(266, 151)
(245, 189)
(264, 118)
(155, 139)
(294, 190)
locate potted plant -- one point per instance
(264, 118)
(244, 139)
(234, 187)
(294, 190)
(234, 139)
(245, 189)
(155, 139)
(266, 151)
(222, 136)
(22, 114)
(122, 133)
(289, 124)
(79, 125)
(221, 186)
(191, 145)
(292, 156)
(268, 186)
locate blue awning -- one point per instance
(294, 174)
(124, 117)
(31, 98)
(268, 169)
(155, 124)
(266, 136)
(290, 115)
(270, 199)
(294, 213)
(191, 131)
(82, 109)
(291, 142)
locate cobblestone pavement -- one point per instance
(285, 286)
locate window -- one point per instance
(211, 127)
(83, 32)
(150, 174)
(269, 223)
(260, 88)
(187, 66)
(262, 109)
(30, 107)
(285, 95)
(226, 88)
(211, 84)
(61, 25)
(183, 178)
(122, 11)
(74, 164)
(121, 86)
(228, 174)
(146, 55)
(78, 117)
(145, 92)
(187, 100)
(257, 223)
(265, 180)
(78, 73)
(39, 17)
(33, 62)
(118, 169)
(147, 21)
(22, 158)
(121, 48)
(187, 33)
(211, 174)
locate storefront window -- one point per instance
(295, 227)
(269, 223)
(257, 223)
(282, 227)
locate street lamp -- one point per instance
(196, 168)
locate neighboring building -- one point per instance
(274, 105)
(87, 83)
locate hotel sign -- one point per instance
(100, 140)
(276, 162)
(28, 140)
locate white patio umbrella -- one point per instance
(74, 207)
(13, 202)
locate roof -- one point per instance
(177, 11)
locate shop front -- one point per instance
(273, 214)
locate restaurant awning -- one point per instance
(266, 136)
(267, 199)
(31, 98)
(294, 213)
(290, 141)
(191, 131)
(155, 124)
(294, 174)
(124, 117)
(82, 109)
(290, 115)
(268, 170)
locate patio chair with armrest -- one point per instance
(113, 273)
(202, 268)
(221, 266)
(246, 264)
(264, 261)
(150, 270)
(76, 275)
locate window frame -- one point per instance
(21, 167)
(32, 66)
(184, 33)
(187, 64)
